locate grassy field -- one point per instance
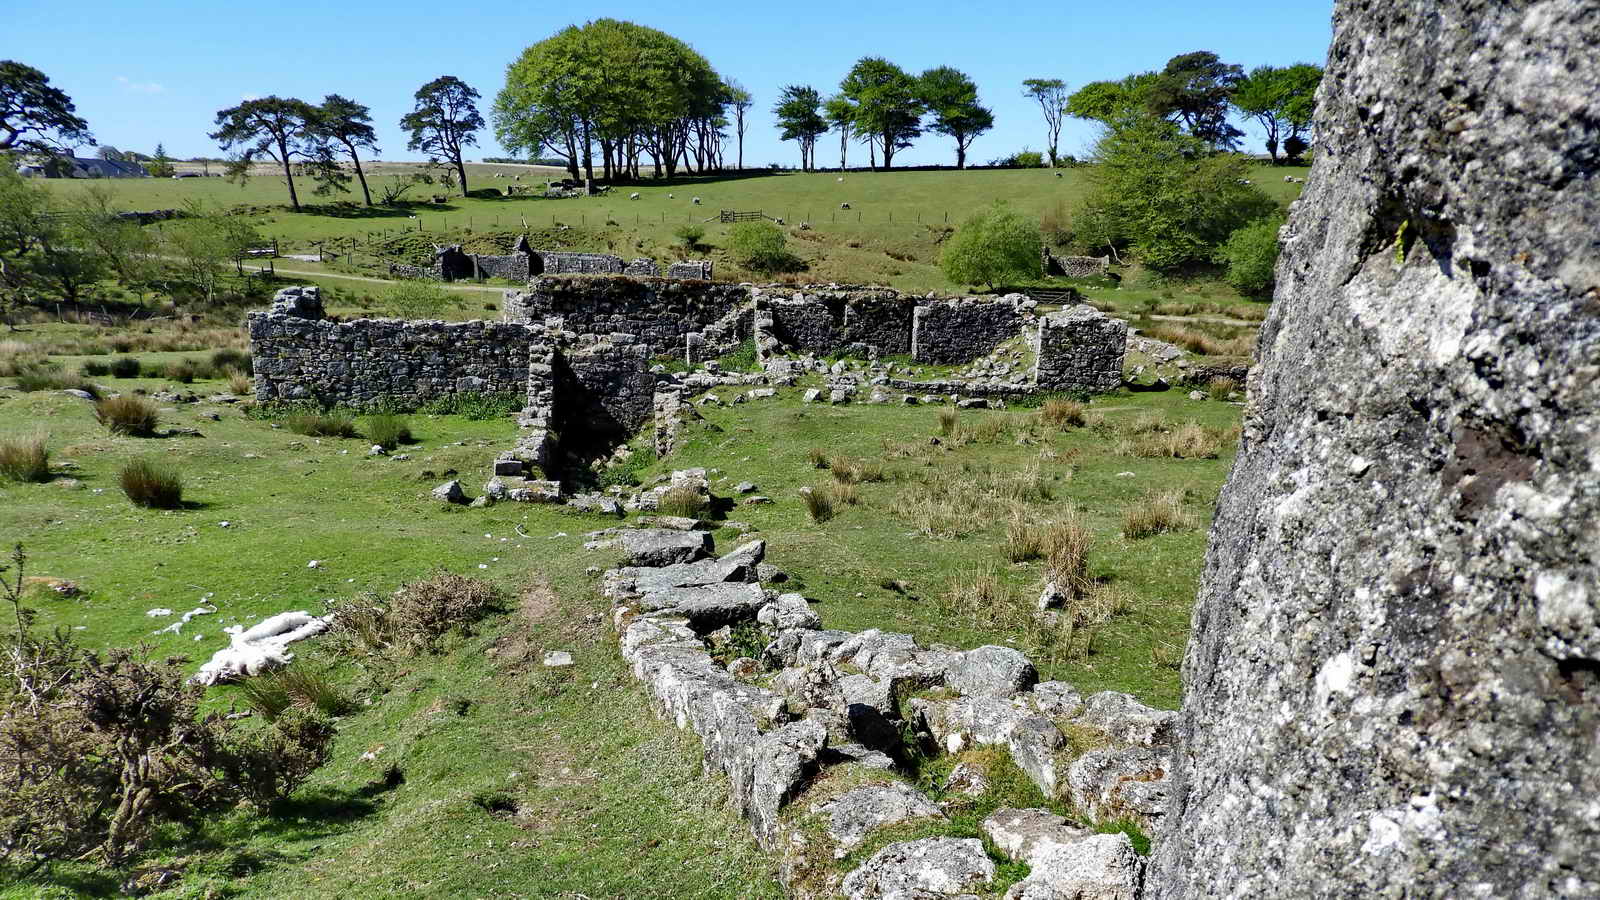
(606, 800)
(889, 235)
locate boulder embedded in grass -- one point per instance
(450, 492)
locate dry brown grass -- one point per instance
(957, 501)
(683, 500)
(1060, 413)
(1064, 540)
(239, 383)
(817, 457)
(1156, 513)
(1197, 341)
(25, 459)
(127, 414)
(856, 471)
(1190, 440)
(1221, 388)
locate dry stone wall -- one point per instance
(656, 312)
(300, 355)
(829, 319)
(1080, 349)
(1393, 687)
(958, 331)
(606, 389)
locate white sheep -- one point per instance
(695, 201)
(844, 206)
(672, 196)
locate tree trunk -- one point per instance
(588, 153)
(961, 155)
(283, 155)
(461, 171)
(361, 176)
(888, 150)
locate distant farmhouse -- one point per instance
(80, 167)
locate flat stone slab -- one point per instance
(856, 813)
(930, 867)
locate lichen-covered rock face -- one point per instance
(1394, 682)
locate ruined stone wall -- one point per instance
(958, 331)
(1079, 349)
(830, 320)
(1393, 685)
(1075, 266)
(699, 269)
(604, 389)
(562, 263)
(512, 266)
(658, 312)
(298, 355)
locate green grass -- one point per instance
(890, 235)
(603, 796)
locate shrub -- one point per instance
(323, 424)
(229, 358)
(126, 367)
(689, 235)
(417, 300)
(127, 414)
(425, 611)
(240, 383)
(1155, 513)
(1251, 255)
(151, 484)
(25, 459)
(94, 369)
(993, 247)
(1062, 413)
(388, 431)
(182, 371)
(819, 503)
(760, 247)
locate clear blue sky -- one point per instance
(159, 70)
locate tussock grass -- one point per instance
(1197, 341)
(819, 503)
(893, 449)
(948, 419)
(127, 414)
(183, 371)
(25, 459)
(856, 471)
(323, 424)
(239, 383)
(49, 378)
(817, 457)
(1154, 514)
(1221, 388)
(388, 431)
(684, 501)
(957, 501)
(229, 358)
(272, 694)
(1061, 413)
(1064, 541)
(151, 484)
(1190, 440)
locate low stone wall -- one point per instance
(698, 269)
(562, 263)
(657, 312)
(958, 331)
(809, 734)
(831, 320)
(1080, 349)
(512, 266)
(299, 355)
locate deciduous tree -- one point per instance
(887, 105)
(841, 114)
(799, 113)
(740, 101)
(444, 121)
(952, 98)
(994, 247)
(1281, 100)
(1051, 95)
(1112, 102)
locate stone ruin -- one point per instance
(451, 263)
(1074, 266)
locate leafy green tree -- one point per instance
(996, 246)
(760, 247)
(952, 98)
(35, 117)
(279, 128)
(444, 121)
(799, 113)
(1197, 88)
(43, 252)
(127, 249)
(1251, 257)
(202, 245)
(349, 124)
(739, 100)
(1051, 95)
(1280, 100)
(1294, 147)
(161, 164)
(887, 104)
(841, 114)
(1112, 102)
(1164, 195)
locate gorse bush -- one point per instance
(25, 459)
(228, 358)
(94, 368)
(127, 414)
(126, 367)
(322, 424)
(182, 371)
(104, 750)
(387, 431)
(151, 484)
(417, 300)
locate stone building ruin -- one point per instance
(451, 263)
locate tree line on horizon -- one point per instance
(611, 94)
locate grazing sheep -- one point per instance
(672, 196)
(634, 195)
(841, 178)
(695, 201)
(844, 206)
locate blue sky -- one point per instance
(159, 70)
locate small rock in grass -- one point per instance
(557, 659)
(450, 492)
(745, 487)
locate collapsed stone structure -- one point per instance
(1074, 266)
(1393, 687)
(824, 708)
(451, 263)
